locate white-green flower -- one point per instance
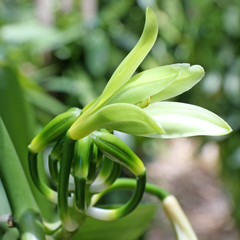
(130, 103)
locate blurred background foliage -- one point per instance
(61, 53)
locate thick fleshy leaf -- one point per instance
(187, 78)
(17, 115)
(24, 208)
(129, 65)
(184, 120)
(145, 84)
(123, 117)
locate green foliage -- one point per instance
(25, 211)
(14, 110)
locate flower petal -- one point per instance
(120, 116)
(145, 84)
(187, 78)
(184, 120)
(129, 65)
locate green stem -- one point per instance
(113, 214)
(130, 184)
(65, 168)
(53, 169)
(94, 164)
(80, 189)
(53, 160)
(17, 189)
(102, 182)
(42, 187)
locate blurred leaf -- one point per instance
(45, 102)
(212, 83)
(130, 227)
(77, 85)
(97, 47)
(232, 20)
(18, 118)
(232, 87)
(114, 10)
(38, 97)
(38, 36)
(26, 32)
(15, 111)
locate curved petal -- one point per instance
(184, 120)
(129, 65)
(145, 84)
(187, 78)
(120, 116)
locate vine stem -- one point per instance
(25, 211)
(126, 183)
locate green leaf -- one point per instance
(123, 117)
(145, 84)
(15, 111)
(130, 227)
(4, 206)
(187, 78)
(13, 176)
(184, 120)
(129, 65)
(18, 118)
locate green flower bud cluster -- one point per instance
(93, 162)
(86, 158)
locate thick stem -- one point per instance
(17, 189)
(49, 193)
(65, 168)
